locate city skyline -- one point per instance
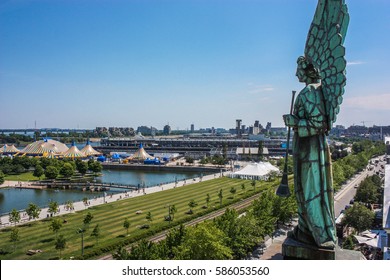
(119, 63)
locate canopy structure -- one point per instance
(50, 154)
(368, 238)
(89, 151)
(140, 154)
(9, 149)
(38, 148)
(255, 171)
(73, 152)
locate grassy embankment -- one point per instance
(110, 217)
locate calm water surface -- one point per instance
(20, 198)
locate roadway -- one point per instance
(348, 191)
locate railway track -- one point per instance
(161, 236)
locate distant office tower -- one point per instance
(268, 127)
(167, 130)
(238, 127)
(192, 128)
(257, 124)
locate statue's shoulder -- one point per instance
(310, 92)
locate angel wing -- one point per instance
(324, 49)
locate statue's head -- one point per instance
(306, 72)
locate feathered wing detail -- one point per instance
(324, 49)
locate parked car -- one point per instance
(352, 201)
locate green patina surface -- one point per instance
(322, 69)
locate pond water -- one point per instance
(15, 198)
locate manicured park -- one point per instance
(111, 216)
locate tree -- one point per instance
(192, 204)
(86, 222)
(283, 208)
(95, 167)
(51, 172)
(348, 243)
(367, 192)
(55, 226)
(85, 201)
(87, 219)
(33, 211)
(67, 170)
(359, 217)
(220, 195)
(126, 225)
(82, 167)
(253, 184)
(53, 208)
(233, 191)
(243, 187)
(60, 243)
(149, 217)
(2, 177)
(14, 216)
(172, 211)
(242, 233)
(96, 233)
(207, 200)
(38, 171)
(203, 242)
(14, 237)
(262, 211)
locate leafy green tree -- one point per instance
(192, 204)
(242, 233)
(126, 225)
(143, 250)
(262, 211)
(33, 211)
(220, 195)
(38, 171)
(2, 177)
(233, 191)
(359, 217)
(253, 184)
(208, 200)
(95, 167)
(348, 243)
(243, 187)
(367, 192)
(174, 239)
(283, 208)
(87, 219)
(55, 226)
(172, 211)
(53, 208)
(14, 237)
(96, 233)
(60, 243)
(51, 172)
(82, 167)
(14, 217)
(67, 170)
(149, 217)
(203, 242)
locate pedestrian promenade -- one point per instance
(80, 205)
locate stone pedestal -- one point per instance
(294, 250)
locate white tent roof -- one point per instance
(257, 169)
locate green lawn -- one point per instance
(24, 177)
(110, 217)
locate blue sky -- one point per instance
(95, 63)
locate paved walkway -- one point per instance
(78, 206)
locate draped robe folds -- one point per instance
(312, 170)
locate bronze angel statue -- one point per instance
(322, 69)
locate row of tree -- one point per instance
(230, 236)
(50, 167)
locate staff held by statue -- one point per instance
(283, 189)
